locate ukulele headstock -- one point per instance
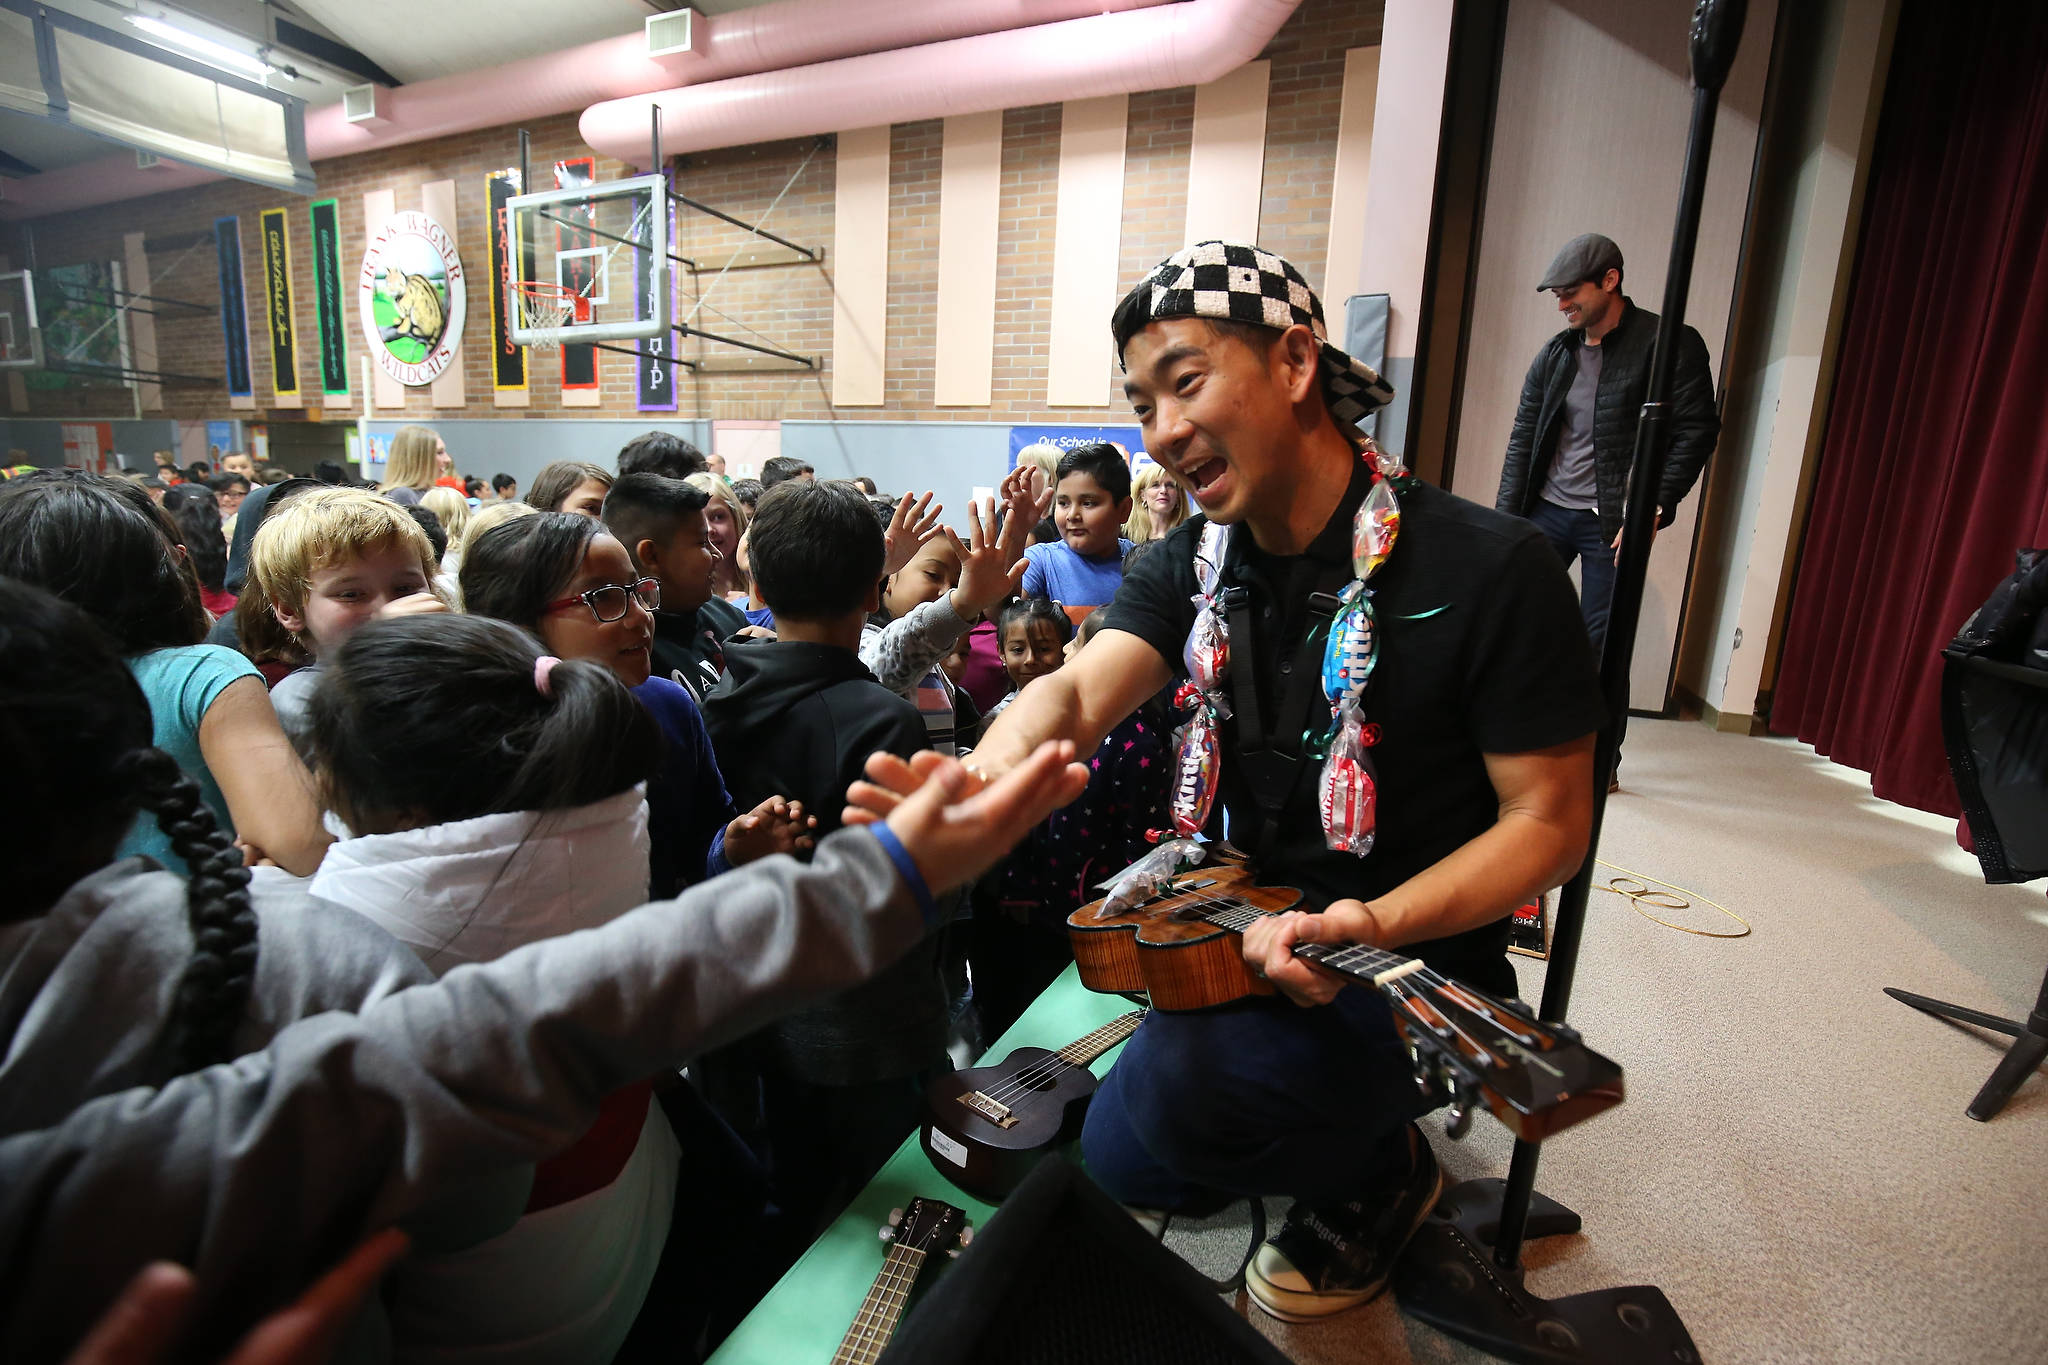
(926, 1225)
(1537, 1077)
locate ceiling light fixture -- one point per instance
(219, 54)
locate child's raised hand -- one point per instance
(908, 530)
(1023, 509)
(954, 837)
(777, 825)
(419, 604)
(988, 571)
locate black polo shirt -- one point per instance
(1482, 650)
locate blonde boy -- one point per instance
(329, 561)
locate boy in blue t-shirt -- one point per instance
(1092, 499)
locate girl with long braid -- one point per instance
(101, 545)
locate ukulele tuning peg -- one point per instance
(895, 1217)
(886, 1234)
(1425, 1079)
(1458, 1121)
(966, 1236)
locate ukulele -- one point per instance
(988, 1127)
(1185, 950)
(913, 1233)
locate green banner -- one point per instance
(327, 299)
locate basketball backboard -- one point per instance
(589, 263)
(21, 339)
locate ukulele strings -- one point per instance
(1028, 1078)
(870, 1332)
(1232, 912)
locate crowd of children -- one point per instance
(392, 745)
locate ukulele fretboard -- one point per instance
(882, 1309)
(1082, 1051)
(1368, 964)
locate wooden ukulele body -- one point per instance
(1182, 963)
(988, 1150)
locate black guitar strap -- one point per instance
(1270, 755)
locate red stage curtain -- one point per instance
(1935, 465)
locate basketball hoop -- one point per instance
(539, 304)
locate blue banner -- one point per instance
(1131, 439)
(234, 315)
(220, 440)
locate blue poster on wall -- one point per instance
(1067, 437)
(220, 439)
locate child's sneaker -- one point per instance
(1332, 1255)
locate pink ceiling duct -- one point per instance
(789, 33)
(1188, 43)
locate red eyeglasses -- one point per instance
(613, 600)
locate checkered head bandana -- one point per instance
(1242, 283)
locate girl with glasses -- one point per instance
(569, 582)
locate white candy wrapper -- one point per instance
(1148, 876)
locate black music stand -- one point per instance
(1994, 724)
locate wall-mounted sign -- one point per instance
(411, 291)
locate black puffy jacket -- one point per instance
(1694, 423)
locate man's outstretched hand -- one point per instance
(890, 779)
(956, 827)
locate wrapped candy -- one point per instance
(1374, 529)
(1353, 648)
(1207, 653)
(1197, 765)
(1148, 876)
(1348, 794)
(1206, 656)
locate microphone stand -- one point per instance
(1463, 1274)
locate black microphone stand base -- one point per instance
(1448, 1279)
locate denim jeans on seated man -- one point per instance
(1293, 1099)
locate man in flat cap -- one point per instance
(1479, 707)
(1567, 464)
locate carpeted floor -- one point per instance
(1792, 1166)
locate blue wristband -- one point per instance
(912, 878)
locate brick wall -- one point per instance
(789, 307)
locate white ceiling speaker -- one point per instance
(673, 34)
(359, 104)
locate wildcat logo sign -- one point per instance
(411, 289)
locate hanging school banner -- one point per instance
(234, 305)
(1130, 439)
(579, 363)
(277, 303)
(508, 362)
(657, 368)
(327, 303)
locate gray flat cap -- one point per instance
(1589, 256)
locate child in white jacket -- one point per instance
(495, 794)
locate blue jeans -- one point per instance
(1576, 535)
(1257, 1097)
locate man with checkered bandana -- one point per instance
(1483, 706)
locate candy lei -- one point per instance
(1348, 793)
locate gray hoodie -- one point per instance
(261, 1173)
